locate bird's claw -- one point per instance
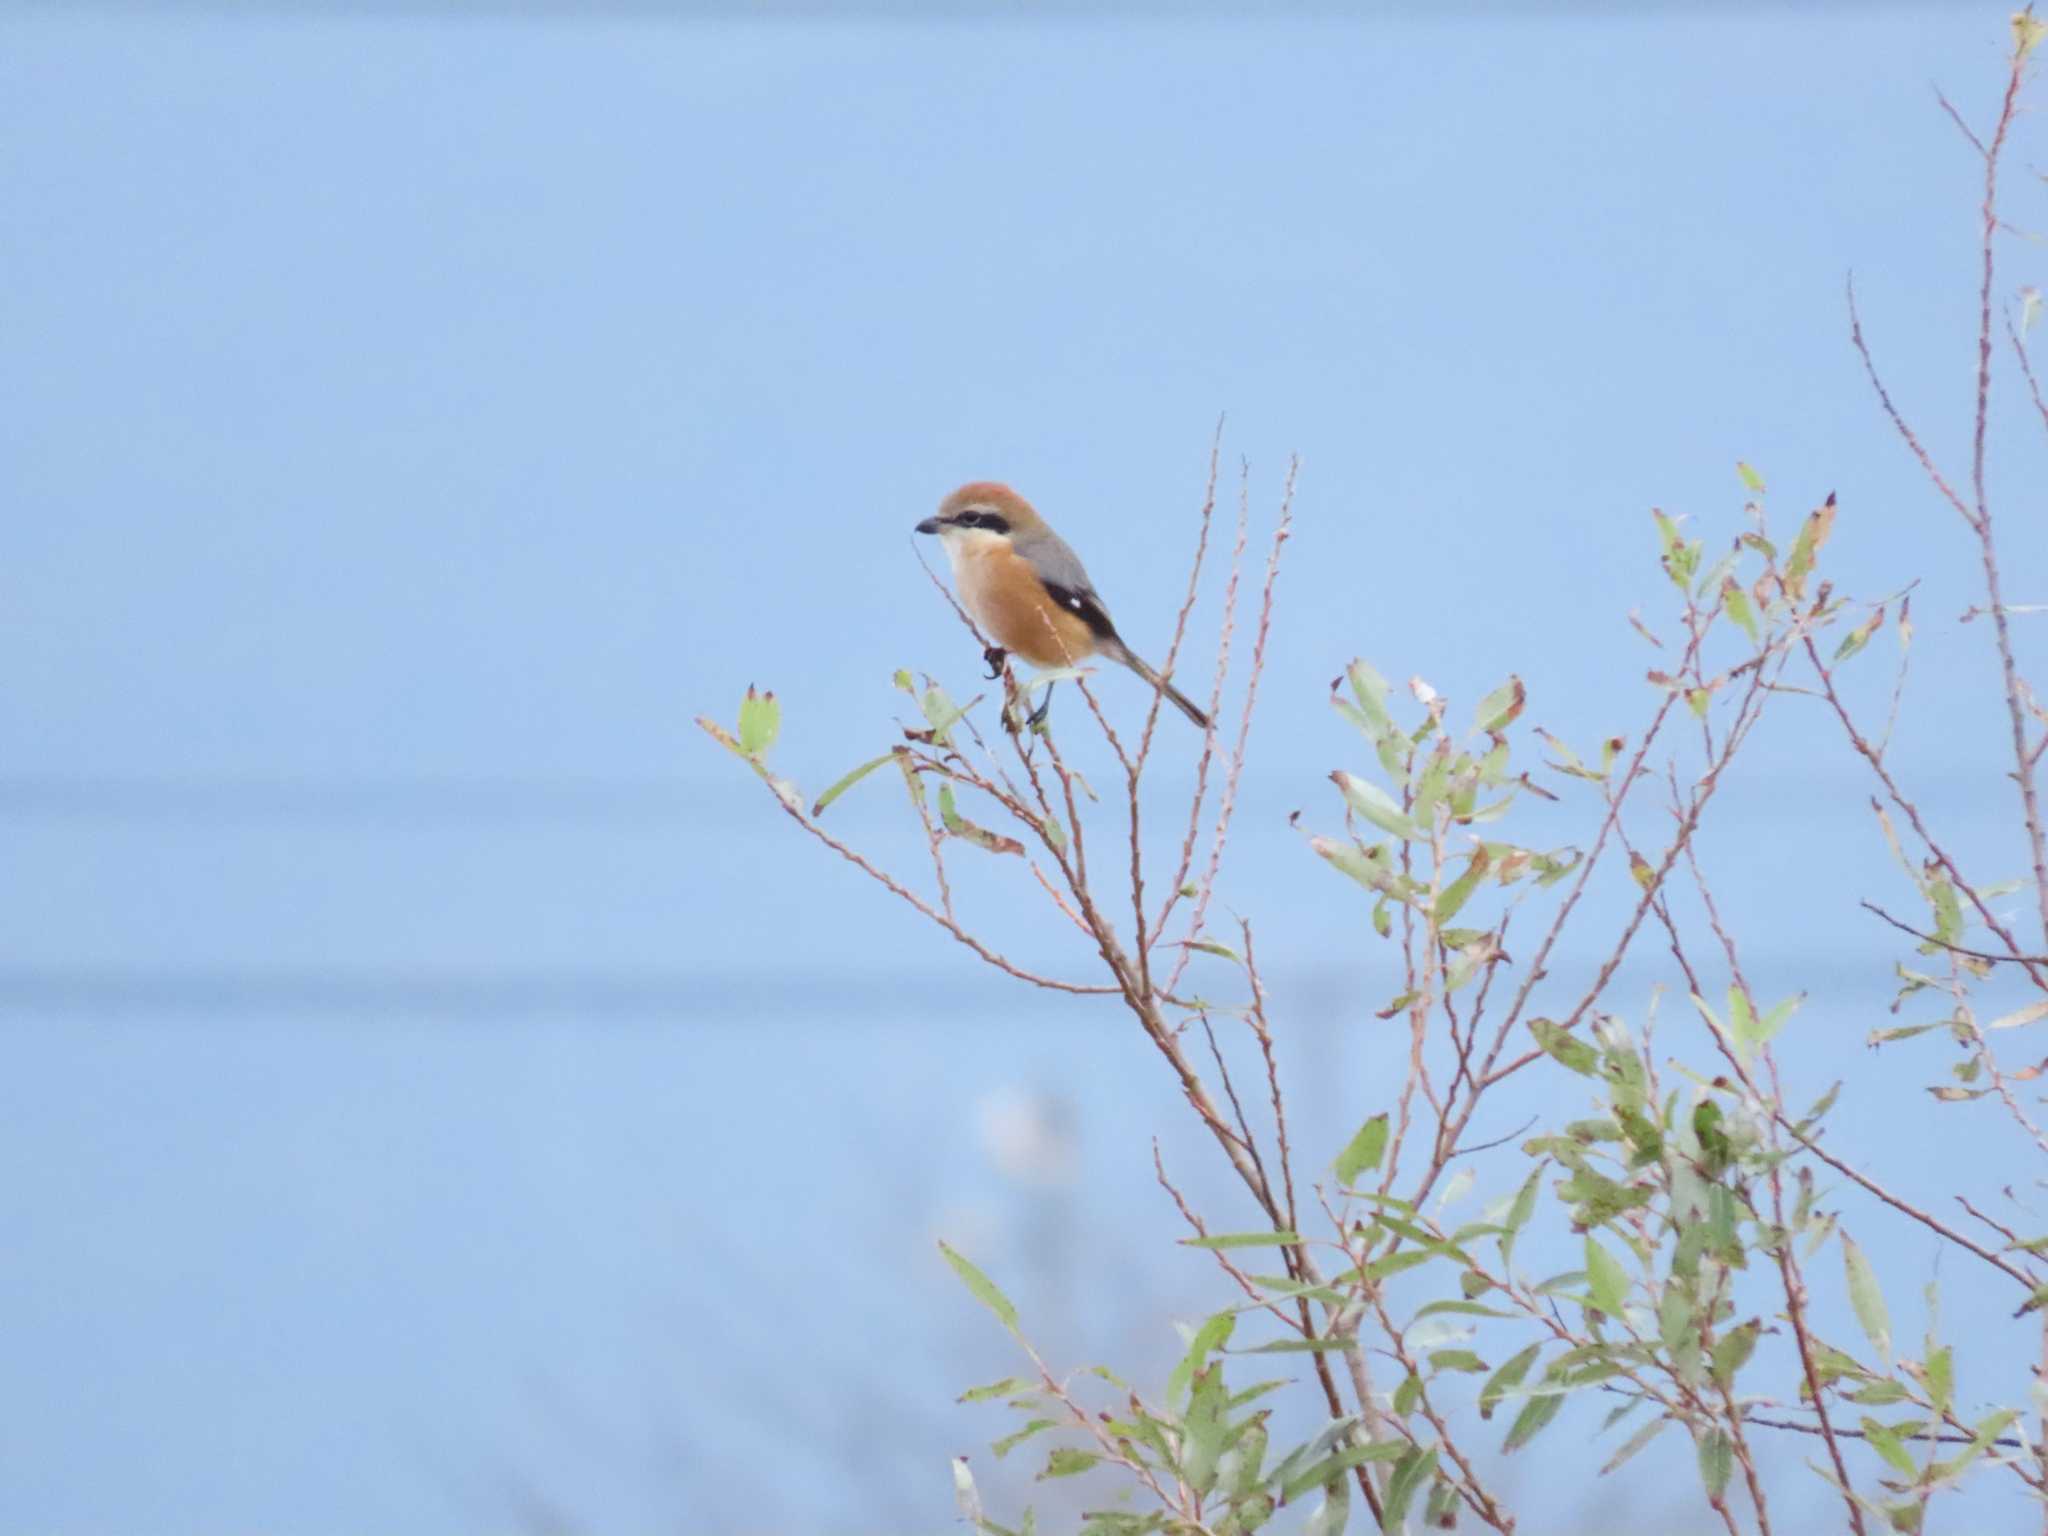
(995, 656)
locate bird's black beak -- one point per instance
(929, 525)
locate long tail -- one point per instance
(1130, 658)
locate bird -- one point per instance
(1028, 591)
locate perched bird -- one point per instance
(1027, 590)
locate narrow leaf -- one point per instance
(1410, 1473)
(2032, 1013)
(1066, 1462)
(1506, 1379)
(1866, 1298)
(1534, 1418)
(1244, 1240)
(1636, 1442)
(982, 1288)
(1606, 1278)
(1375, 805)
(853, 777)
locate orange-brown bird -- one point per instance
(1027, 590)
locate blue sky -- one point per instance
(415, 420)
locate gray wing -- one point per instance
(1067, 580)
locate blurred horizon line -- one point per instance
(626, 992)
(688, 12)
(472, 797)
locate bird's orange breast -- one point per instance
(1010, 603)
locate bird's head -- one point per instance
(982, 510)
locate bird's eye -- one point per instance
(969, 519)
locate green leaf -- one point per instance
(1010, 1442)
(1375, 805)
(1885, 1441)
(1497, 711)
(1333, 1513)
(982, 1288)
(1461, 1308)
(1675, 1329)
(1981, 1440)
(941, 714)
(1454, 895)
(1407, 1395)
(1364, 1151)
(1733, 1349)
(912, 780)
(1941, 1378)
(852, 778)
(1247, 1457)
(1410, 1473)
(760, 722)
(1736, 602)
(1668, 538)
(1372, 870)
(1519, 1213)
(1506, 1379)
(1573, 1052)
(1441, 1512)
(1295, 1347)
(1717, 1460)
(1407, 1259)
(1534, 1418)
(1859, 637)
(1751, 480)
(1244, 1240)
(959, 826)
(1456, 1360)
(1606, 1278)
(1866, 1298)
(1211, 1336)
(1333, 1467)
(1642, 1437)
(1253, 1393)
(1204, 1431)
(1280, 1288)
(1768, 1026)
(1066, 1462)
(1741, 1019)
(1371, 691)
(1009, 1386)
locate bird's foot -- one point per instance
(995, 656)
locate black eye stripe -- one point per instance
(994, 522)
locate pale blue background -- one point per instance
(441, 1093)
